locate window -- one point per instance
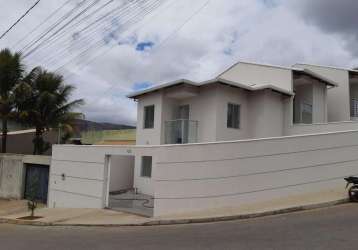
(354, 108)
(146, 170)
(233, 116)
(149, 116)
(306, 113)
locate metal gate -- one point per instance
(36, 182)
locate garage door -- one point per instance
(36, 182)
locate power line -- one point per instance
(87, 38)
(18, 20)
(168, 38)
(42, 23)
(62, 27)
(52, 27)
(91, 26)
(100, 43)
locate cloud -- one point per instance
(169, 45)
(332, 16)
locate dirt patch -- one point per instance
(29, 218)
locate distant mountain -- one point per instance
(84, 125)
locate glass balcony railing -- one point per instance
(181, 132)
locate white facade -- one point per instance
(272, 99)
(295, 135)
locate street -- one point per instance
(330, 228)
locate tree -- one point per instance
(32, 200)
(11, 74)
(45, 104)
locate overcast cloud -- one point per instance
(224, 32)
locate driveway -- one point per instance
(330, 228)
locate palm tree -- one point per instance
(11, 74)
(45, 104)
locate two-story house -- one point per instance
(246, 101)
(253, 133)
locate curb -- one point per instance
(183, 221)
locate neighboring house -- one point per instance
(21, 141)
(254, 133)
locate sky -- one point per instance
(149, 42)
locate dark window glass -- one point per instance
(233, 116)
(146, 170)
(149, 116)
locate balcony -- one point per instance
(181, 131)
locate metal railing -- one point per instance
(354, 107)
(181, 131)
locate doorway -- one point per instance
(122, 195)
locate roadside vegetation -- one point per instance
(39, 99)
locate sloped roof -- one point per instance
(247, 86)
(325, 66)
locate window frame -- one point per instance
(143, 174)
(145, 114)
(232, 124)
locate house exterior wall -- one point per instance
(319, 103)
(203, 108)
(150, 136)
(226, 95)
(354, 91)
(22, 143)
(304, 94)
(258, 75)
(261, 114)
(266, 112)
(338, 99)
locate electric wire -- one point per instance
(52, 14)
(58, 37)
(101, 42)
(19, 20)
(86, 36)
(52, 27)
(62, 27)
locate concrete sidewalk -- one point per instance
(8, 207)
(104, 217)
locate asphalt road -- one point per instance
(331, 228)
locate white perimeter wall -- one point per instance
(200, 177)
(86, 174)
(196, 177)
(304, 129)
